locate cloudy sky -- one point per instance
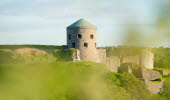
(45, 21)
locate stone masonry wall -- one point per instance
(89, 53)
(150, 74)
(147, 59)
(75, 54)
(113, 63)
(131, 59)
(102, 55)
(154, 87)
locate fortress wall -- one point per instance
(147, 59)
(113, 63)
(72, 55)
(75, 54)
(125, 68)
(131, 59)
(140, 72)
(150, 74)
(131, 68)
(102, 55)
(154, 87)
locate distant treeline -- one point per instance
(162, 57)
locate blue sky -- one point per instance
(45, 21)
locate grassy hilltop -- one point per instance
(39, 72)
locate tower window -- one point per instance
(95, 45)
(73, 45)
(85, 44)
(91, 36)
(79, 36)
(69, 36)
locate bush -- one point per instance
(6, 55)
(165, 93)
(136, 88)
(31, 55)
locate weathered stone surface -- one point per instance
(75, 54)
(131, 68)
(88, 53)
(102, 55)
(146, 58)
(154, 87)
(131, 59)
(113, 63)
(150, 74)
(140, 71)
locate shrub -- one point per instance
(6, 55)
(136, 88)
(165, 93)
(31, 55)
(30, 52)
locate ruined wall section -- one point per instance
(131, 59)
(131, 68)
(139, 71)
(113, 63)
(75, 55)
(154, 87)
(102, 55)
(150, 74)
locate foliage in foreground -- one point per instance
(68, 81)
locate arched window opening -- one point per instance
(79, 36)
(73, 45)
(69, 36)
(95, 45)
(91, 36)
(85, 44)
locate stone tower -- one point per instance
(147, 58)
(82, 36)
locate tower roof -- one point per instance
(81, 23)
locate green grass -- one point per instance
(154, 81)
